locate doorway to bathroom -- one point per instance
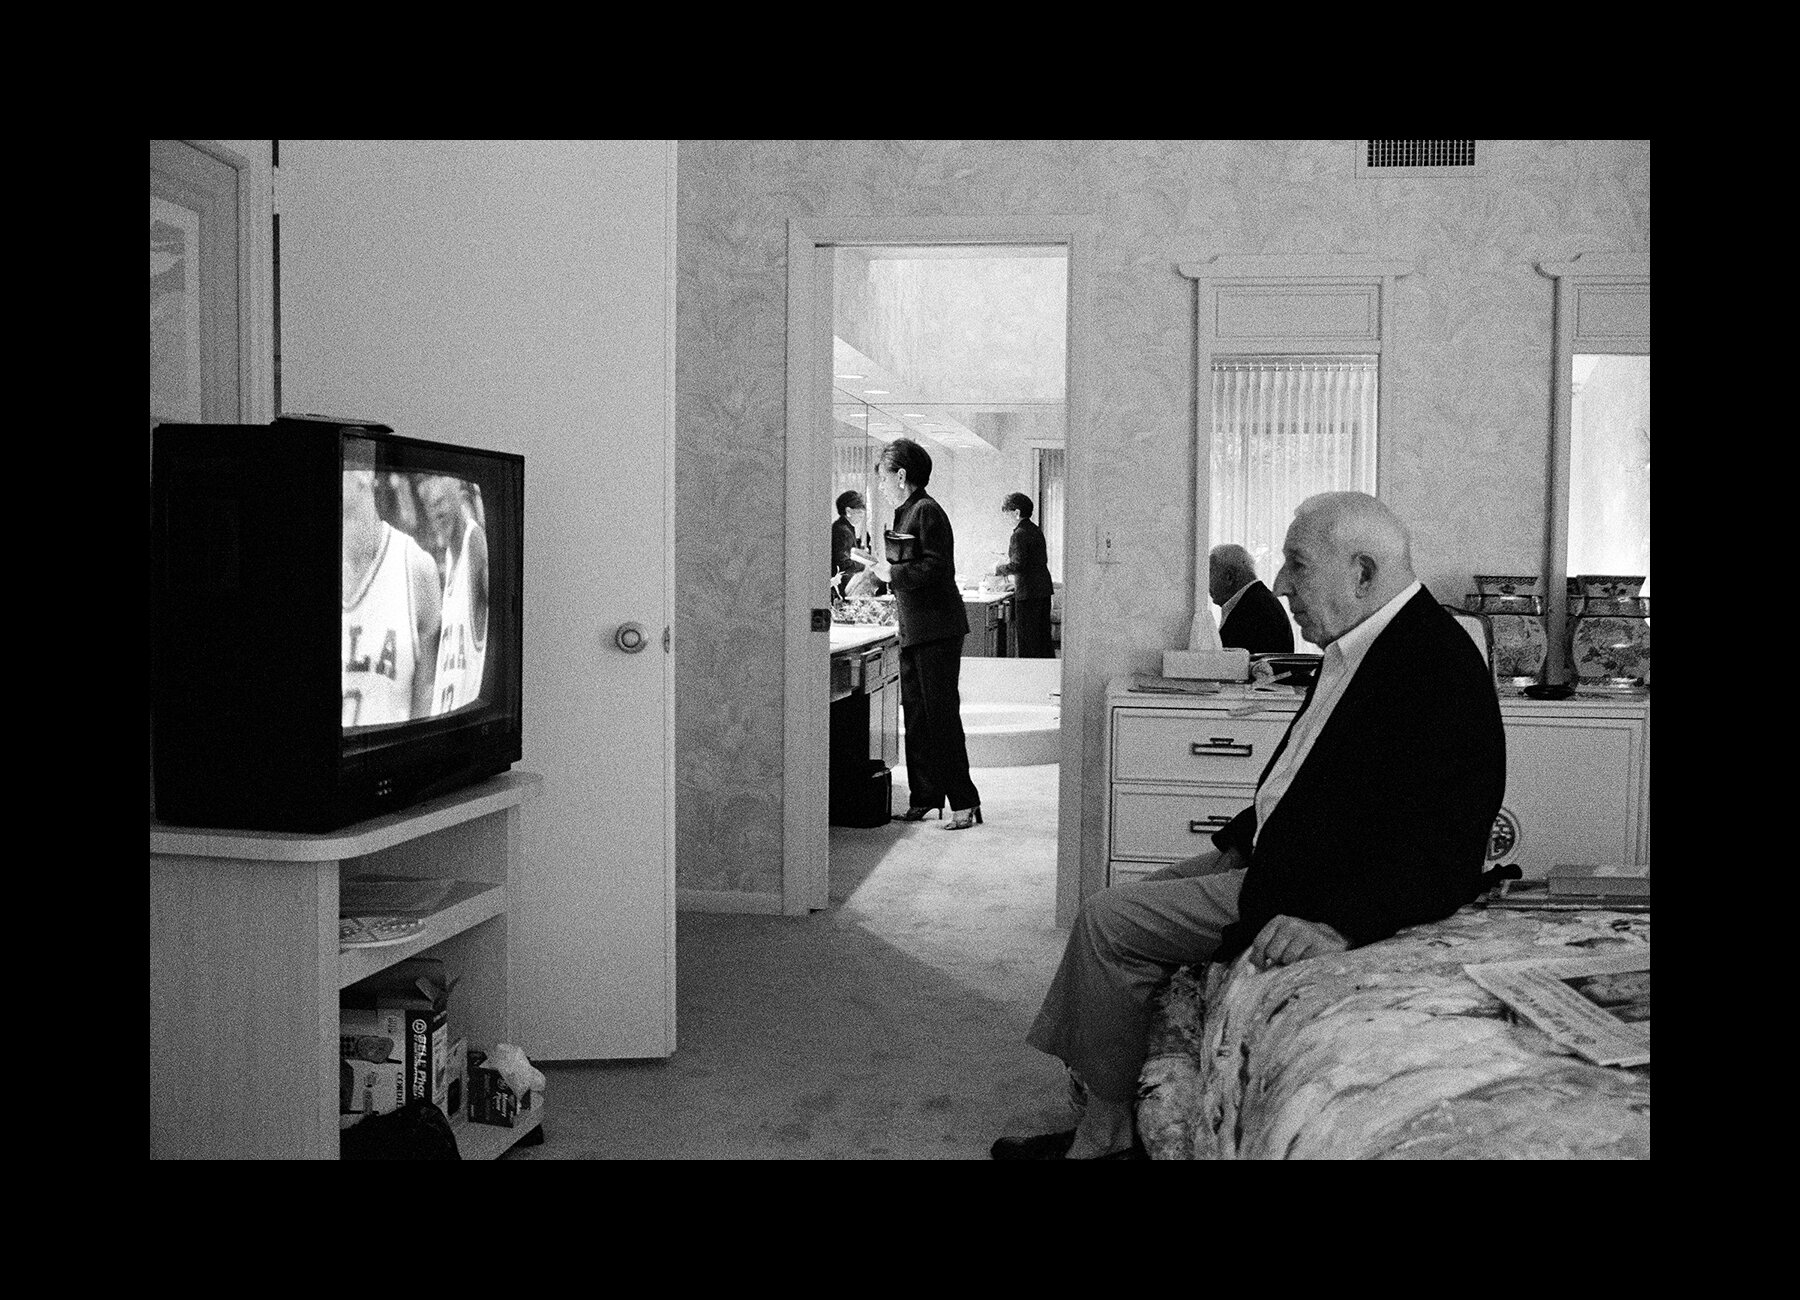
(958, 334)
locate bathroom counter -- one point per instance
(859, 636)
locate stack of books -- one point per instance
(1571, 887)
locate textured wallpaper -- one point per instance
(1463, 455)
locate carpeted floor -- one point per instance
(890, 1026)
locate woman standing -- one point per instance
(847, 575)
(1028, 561)
(920, 569)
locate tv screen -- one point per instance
(415, 592)
(357, 596)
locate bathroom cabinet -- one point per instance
(990, 624)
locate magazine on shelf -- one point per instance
(1597, 1004)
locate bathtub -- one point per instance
(1011, 712)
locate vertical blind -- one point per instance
(1285, 428)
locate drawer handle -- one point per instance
(1205, 824)
(1224, 745)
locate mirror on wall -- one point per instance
(1609, 465)
(1599, 515)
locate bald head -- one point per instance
(1345, 557)
(1229, 570)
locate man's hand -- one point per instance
(1287, 939)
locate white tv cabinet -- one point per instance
(245, 968)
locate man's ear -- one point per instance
(1365, 573)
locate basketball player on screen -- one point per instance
(462, 649)
(392, 608)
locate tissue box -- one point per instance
(1229, 665)
(491, 1098)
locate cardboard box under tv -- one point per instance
(419, 990)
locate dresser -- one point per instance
(1178, 767)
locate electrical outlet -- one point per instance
(1106, 549)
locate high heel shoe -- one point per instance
(920, 814)
(964, 819)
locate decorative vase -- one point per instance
(1608, 593)
(1520, 648)
(1520, 644)
(1504, 584)
(1609, 632)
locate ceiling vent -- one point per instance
(1416, 158)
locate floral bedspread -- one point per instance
(1387, 1052)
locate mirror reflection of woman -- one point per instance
(920, 569)
(1027, 562)
(849, 576)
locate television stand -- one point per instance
(245, 969)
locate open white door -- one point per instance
(521, 295)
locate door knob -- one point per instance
(631, 637)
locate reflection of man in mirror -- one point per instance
(455, 519)
(391, 613)
(1250, 617)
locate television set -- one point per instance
(337, 619)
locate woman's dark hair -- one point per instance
(904, 453)
(1017, 501)
(848, 501)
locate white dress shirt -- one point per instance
(1231, 604)
(1342, 658)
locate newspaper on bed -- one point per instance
(1597, 1004)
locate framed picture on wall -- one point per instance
(195, 359)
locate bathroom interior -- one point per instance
(961, 348)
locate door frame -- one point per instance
(806, 849)
(252, 297)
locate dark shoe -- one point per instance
(1042, 1146)
(964, 820)
(920, 814)
(1133, 1152)
(1055, 1146)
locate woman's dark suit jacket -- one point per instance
(1258, 623)
(1387, 822)
(843, 537)
(1028, 560)
(921, 550)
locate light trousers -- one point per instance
(1125, 942)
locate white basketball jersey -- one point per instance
(462, 647)
(381, 637)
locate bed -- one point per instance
(1388, 1052)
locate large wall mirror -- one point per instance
(1289, 355)
(1599, 517)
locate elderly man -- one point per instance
(1249, 615)
(1372, 815)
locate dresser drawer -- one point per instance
(1169, 825)
(1186, 746)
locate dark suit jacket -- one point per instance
(1258, 623)
(921, 550)
(843, 537)
(1028, 560)
(1386, 824)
